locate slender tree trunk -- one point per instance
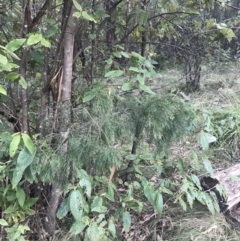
(64, 118)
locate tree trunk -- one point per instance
(64, 118)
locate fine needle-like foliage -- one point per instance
(108, 130)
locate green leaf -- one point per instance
(97, 206)
(158, 203)
(15, 44)
(140, 79)
(63, 209)
(86, 16)
(34, 39)
(149, 193)
(127, 86)
(180, 165)
(143, 18)
(126, 221)
(208, 166)
(146, 89)
(77, 227)
(182, 204)
(134, 69)
(210, 204)
(112, 227)
(20, 194)
(76, 204)
(206, 139)
(28, 143)
(97, 201)
(46, 43)
(114, 73)
(30, 202)
(228, 33)
(14, 144)
(85, 181)
(3, 60)
(3, 91)
(196, 181)
(23, 82)
(25, 158)
(3, 222)
(77, 5)
(125, 54)
(12, 76)
(190, 199)
(50, 31)
(89, 96)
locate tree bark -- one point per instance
(64, 118)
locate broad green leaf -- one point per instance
(89, 96)
(28, 143)
(126, 221)
(228, 33)
(15, 44)
(77, 227)
(20, 196)
(95, 233)
(125, 54)
(112, 227)
(3, 91)
(114, 73)
(127, 86)
(14, 144)
(77, 14)
(140, 79)
(3, 222)
(50, 31)
(23, 82)
(12, 76)
(206, 139)
(76, 204)
(29, 202)
(25, 158)
(63, 209)
(46, 43)
(3, 60)
(85, 181)
(97, 206)
(143, 18)
(158, 203)
(135, 69)
(210, 204)
(86, 16)
(190, 199)
(117, 54)
(182, 204)
(149, 193)
(208, 166)
(34, 39)
(146, 89)
(180, 165)
(111, 188)
(77, 5)
(196, 181)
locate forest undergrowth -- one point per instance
(218, 99)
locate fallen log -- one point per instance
(229, 179)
